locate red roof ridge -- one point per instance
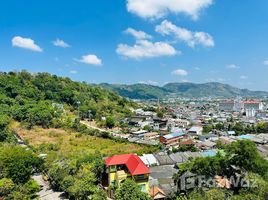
(134, 164)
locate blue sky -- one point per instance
(131, 41)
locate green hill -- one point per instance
(213, 89)
(38, 99)
(137, 91)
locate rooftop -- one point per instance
(173, 135)
(134, 164)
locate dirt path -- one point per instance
(46, 192)
(89, 125)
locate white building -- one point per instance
(195, 130)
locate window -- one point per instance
(140, 177)
(113, 168)
(143, 187)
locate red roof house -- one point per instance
(134, 164)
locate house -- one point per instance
(230, 133)
(157, 193)
(121, 167)
(150, 135)
(173, 138)
(206, 145)
(149, 160)
(195, 130)
(253, 104)
(227, 105)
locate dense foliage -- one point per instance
(241, 159)
(130, 190)
(238, 127)
(39, 99)
(145, 91)
(16, 167)
(78, 176)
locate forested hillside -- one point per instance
(42, 109)
(39, 99)
(189, 90)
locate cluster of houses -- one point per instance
(154, 172)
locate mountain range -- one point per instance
(191, 90)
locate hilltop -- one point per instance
(212, 89)
(49, 101)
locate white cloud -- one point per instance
(149, 82)
(184, 81)
(232, 66)
(221, 79)
(197, 68)
(210, 80)
(265, 62)
(60, 43)
(159, 8)
(146, 49)
(243, 77)
(25, 43)
(180, 72)
(73, 72)
(139, 35)
(189, 37)
(90, 59)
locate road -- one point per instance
(94, 127)
(46, 193)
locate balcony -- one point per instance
(121, 175)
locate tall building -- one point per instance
(227, 105)
(253, 104)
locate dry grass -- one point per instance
(71, 143)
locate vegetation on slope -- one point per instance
(137, 91)
(241, 162)
(44, 109)
(144, 91)
(39, 99)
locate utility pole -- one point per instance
(78, 107)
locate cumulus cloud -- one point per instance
(60, 43)
(189, 37)
(243, 77)
(159, 8)
(232, 66)
(146, 49)
(90, 59)
(139, 35)
(25, 43)
(265, 62)
(149, 82)
(180, 72)
(73, 72)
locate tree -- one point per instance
(110, 122)
(215, 194)
(4, 121)
(17, 163)
(160, 113)
(6, 186)
(244, 154)
(130, 190)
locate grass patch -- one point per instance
(70, 144)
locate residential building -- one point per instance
(172, 139)
(253, 104)
(227, 105)
(121, 167)
(157, 193)
(195, 131)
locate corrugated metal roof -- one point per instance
(173, 135)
